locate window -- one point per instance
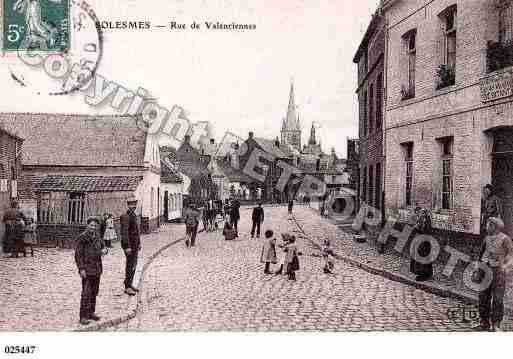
(446, 72)
(152, 194)
(408, 163)
(410, 39)
(371, 107)
(371, 186)
(446, 157)
(450, 38)
(364, 184)
(364, 113)
(379, 102)
(377, 202)
(506, 24)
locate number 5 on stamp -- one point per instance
(36, 24)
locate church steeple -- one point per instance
(312, 141)
(291, 122)
(291, 128)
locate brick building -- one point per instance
(449, 108)
(10, 169)
(75, 166)
(370, 60)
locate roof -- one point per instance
(269, 147)
(77, 140)
(86, 183)
(168, 174)
(234, 174)
(10, 134)
(371, 30)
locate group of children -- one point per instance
(289, 261)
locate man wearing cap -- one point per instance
(131, 243)
(88, 258)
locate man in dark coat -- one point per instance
(131, 243)
(258, 218)
(88, 257)
(235, 216)
(11, 242)
(191, 224)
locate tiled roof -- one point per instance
(168, 174)
(8, 133)
(86, 183)
(233, 174)
(77, 140)
(269, 147)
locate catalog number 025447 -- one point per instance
(19, 349)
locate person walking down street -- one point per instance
(291, 206)
(235, 215)
(110, 234)
(257, 217)
(88, 258)
(326, 252)
(30, 239)
(423, 271)
(291, 262)
(497, 254)
(131, 243)
(268, 254)
(191, 225)
(490, 207)
(228, 232)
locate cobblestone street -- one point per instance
(43, 293)
(220, 285)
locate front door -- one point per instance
(502, 174)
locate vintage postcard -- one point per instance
(256, 166)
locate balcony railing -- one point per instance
(499, 55)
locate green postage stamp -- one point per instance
(36, 24)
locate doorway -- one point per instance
(502, 173)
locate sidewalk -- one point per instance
(43, 293)
(390, 264)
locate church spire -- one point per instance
(312, 140)
(290, 121)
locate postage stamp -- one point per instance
(36, 24)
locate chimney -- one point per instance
(212, 141)
(187, 139)
(277, 142)
(251, 134)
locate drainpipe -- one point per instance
(384, 127)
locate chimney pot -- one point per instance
(251, 134)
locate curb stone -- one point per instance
(136, 300)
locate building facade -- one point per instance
(370, 58)
(10, 170)
(75, 166)
(449, 108)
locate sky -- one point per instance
(237, 80)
